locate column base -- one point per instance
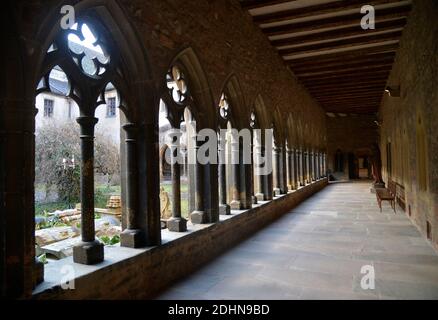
(289, 188)
(177, 224)
(90, 252)
(254, 199)
(132, 238)
(224, 209)
(198, 217)
(235, 205)
(276, 192)
(38, 272)
(260, 196)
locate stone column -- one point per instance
(306, 167)
(323, 173)
(224, 208)
(149, 181)
(253, 196)
(277, 174)
(133, 236)
(235, 164)
(295, 168)
(312, 166)
(289, 166)
(259, 153)
(198, 216)
(268, 177)
(315, 165)
(176, 223)
(319, 165)
(283, 171)
(89, 251)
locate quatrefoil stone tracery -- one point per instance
(177, 85)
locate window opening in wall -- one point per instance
(58, 145)
(48, 108)
(111, 107)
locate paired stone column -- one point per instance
(283, 171)
(176, 223)
(133, 236)
(311, 168)
(315, 164)
(319, 165)
(89, 250)
(289, 166)
(299, 167)
(253, 196)
(198, 216)
(235, 172)
(259, 153)
(277, 170)
(324, 164)
(224, 208)
(295, 168)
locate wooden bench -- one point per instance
(386, 194)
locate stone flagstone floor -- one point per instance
(316, 251)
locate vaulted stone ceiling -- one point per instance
(342, 66)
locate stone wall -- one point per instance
(409, 122)
(142, 273)
(350, 134)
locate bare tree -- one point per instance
(56, 145)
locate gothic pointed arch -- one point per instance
(232, 91)
(196, 94)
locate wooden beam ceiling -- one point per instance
(254, 4)
(344, 67)
(350, 31)
(335, 21)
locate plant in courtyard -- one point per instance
(106, 156)
(110, 240)
(57, 159)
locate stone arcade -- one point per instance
(343, 104)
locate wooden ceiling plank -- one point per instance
(255, 4)
(314, 10)
(340, 75)
(355, 52)
(342, 63)
(348, 99)
(336, 93)
(352, 100)
(346, 69)
(336, 21)
(343, 43)
(324, 90)
(356, 79)
(340, 33)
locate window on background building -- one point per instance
(111, 108)
(48, 108)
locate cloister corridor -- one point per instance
(316, 251)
